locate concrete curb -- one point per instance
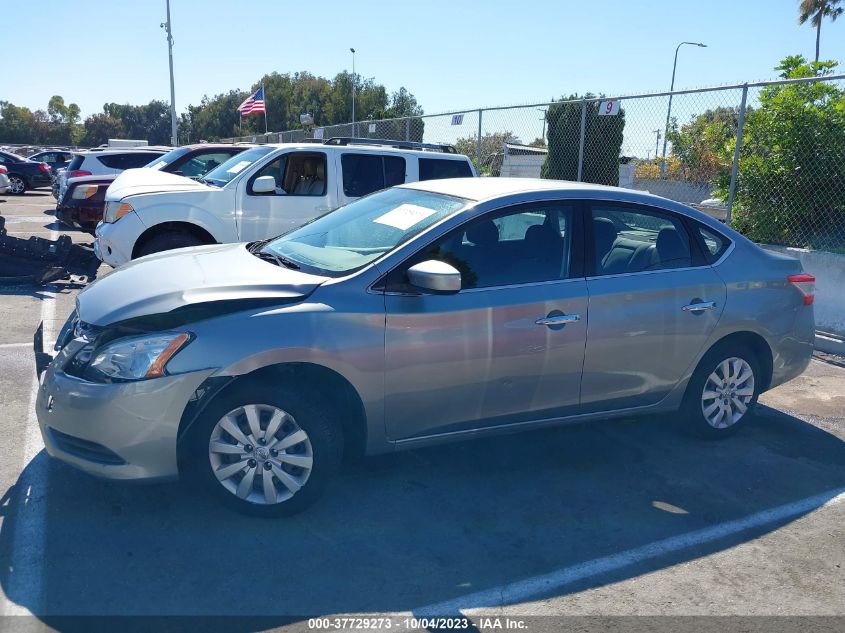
(829, 343)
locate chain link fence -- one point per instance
(768, 157)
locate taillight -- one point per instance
(77, 173)
(806, 285)
(44, 167)
(3, 169)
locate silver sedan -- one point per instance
(420, 314)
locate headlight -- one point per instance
(115, 209)
(84, 191)
(135, 358)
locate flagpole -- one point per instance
(264, 94)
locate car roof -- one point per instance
(375, 149)
(520, 189)
(196, 146)
(124, 150)
(478, 189)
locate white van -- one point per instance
(260, 193)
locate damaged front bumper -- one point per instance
(124, 431)
(40, 261)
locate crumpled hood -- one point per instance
(164, 282)
(133, 182)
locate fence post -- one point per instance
(478, 145)
(581, 140)
(737, 148)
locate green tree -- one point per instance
(602, 142)
(492, 150)
(17, 124)
(705, 145)
(150, 122)
(816, 11)
(792, 162)
(100, 127)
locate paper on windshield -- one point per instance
(238, 167)
(405, 216)
(159, 164)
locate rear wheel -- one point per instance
(18, 185)
(723, 391)
(168, 242)
(266, 453)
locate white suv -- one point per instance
(102, 162)
(260, 193)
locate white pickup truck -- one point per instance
(259, 193)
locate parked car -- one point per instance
(84, 199)
(105, 162)
(24, 174)
(55, 158)
(259, 193)
(426, 313)
(5, 184)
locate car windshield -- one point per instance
(163, 161)
(345, 240)
(224, 174)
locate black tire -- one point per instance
(18, 182)
(304, 406)
(168, 242)
(693, 406)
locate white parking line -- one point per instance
(523, 590)
(2, 345)
(27, 556)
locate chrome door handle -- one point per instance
(561, 319)
(699, 307)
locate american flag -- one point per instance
(253, 105)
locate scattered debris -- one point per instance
(40, 261)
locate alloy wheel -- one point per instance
(727, 393)
(260, 454)
(18, 185)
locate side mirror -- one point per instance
(435, 276)
(264, 184)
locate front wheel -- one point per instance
(168, 242)
(265, 453)
(723, 391)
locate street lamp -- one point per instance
(352, 50)
(671, 89)
(166, 27)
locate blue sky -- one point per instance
(451, 55)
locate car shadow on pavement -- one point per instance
(397, 532)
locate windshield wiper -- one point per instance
(209, 181)
(276, 259)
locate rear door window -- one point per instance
(637, 239)
(365, 173)
(437, 168)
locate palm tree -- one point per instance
(818, 10)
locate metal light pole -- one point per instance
(353, 90)
(669, 111)
(166, 26)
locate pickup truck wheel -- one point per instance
(167, 242)
(265, 452)
(18, 185)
